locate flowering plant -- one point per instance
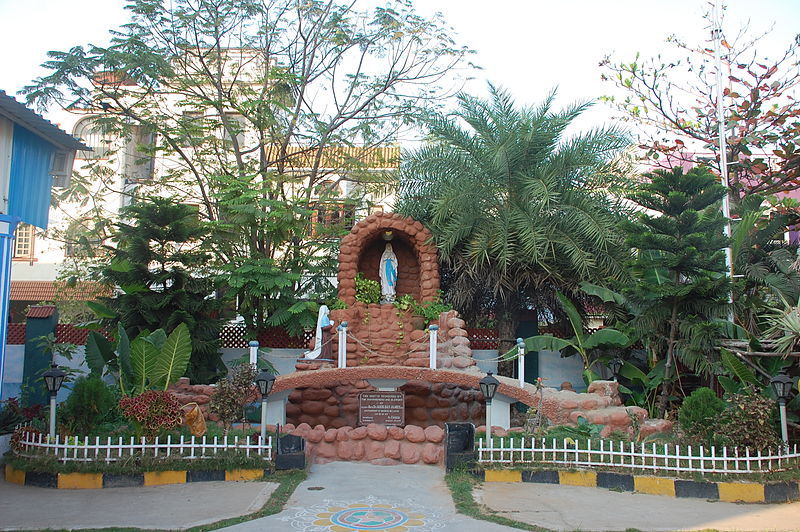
(153, 411)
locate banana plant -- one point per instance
(581, 342)
(152, 360)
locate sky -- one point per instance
(526, 46)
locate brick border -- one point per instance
(746, 492)
(112, 480)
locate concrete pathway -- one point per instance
(588, 509)
(347, 497)
(176, 506)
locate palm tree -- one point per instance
(518, 209)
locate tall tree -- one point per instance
(680, 284)
(158, 264)
(518, 209)
(673, 98)
(257, 106)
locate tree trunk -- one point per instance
(665, 386)
(506, 330)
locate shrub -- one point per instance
(232, 394)
(10, 415)
(748, 421)
(699, 413)
(367, 290)
(91, 403)
(28, 433)
(153, 411)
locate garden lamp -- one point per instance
(53, 379)
(782, 386)
(615, 364)
(489, 386)
(265, 381)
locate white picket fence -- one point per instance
(635, 456)
(72, 449)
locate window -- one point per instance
(331, 218)
(90, 132)
(23, 242)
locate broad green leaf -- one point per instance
(729, 385)
(737, 367)
(590, 376)
(629, 371)
(100, 310)
(121, 265)
(143, 359)
(606, 337)
(545, 342)
(94, 357)
(124, 351)
(731, 330)
(134, 288)
(157, 338)
(605, 294)
(574, 317)
(174, 357)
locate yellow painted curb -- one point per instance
(157, 478)
(80, 481)
(244, 474)
(578, 478)
(502, 475)
(740, 492)
(15, 476)
(654, 485)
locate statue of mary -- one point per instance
(388, 274)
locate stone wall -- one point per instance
(427, 404)
(374, 443)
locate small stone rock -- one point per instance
(391, 449)
(434, 434)
(330, 435)
(358, 433)
(431, 453)
(396, 433)
(409, 452)
(377, 432)
(414, 434)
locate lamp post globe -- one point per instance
(264, 382)
(488, 386)
(53, 379)
(615, 364)
(782, 386)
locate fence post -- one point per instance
(521, 361)
(253, 352)
(342, 328)
(434, 331)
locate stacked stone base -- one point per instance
(375, 444)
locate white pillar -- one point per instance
(489, 422)
(342, 328)
(253, 352)
(521, 361)
(434, 332)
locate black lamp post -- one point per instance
(782, 386)
(489, 386)
(53, 379)
(615, 364)
(264, 381)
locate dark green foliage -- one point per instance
(10, 415)
(233, 393)
(159, 265)
(680, 286)
(367, 290)
(517, 210)
(583, 431)
(698, 413)
(90, 404)
(748, 421)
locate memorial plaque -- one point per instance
(383, 408)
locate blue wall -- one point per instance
(29, 186)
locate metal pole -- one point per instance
(489, 422)
(253, 352)
(521, 362)
(434, 331)
(716, 33)
(263, 419)
(52, 414)
(784, 428)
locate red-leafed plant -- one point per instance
(153, 411)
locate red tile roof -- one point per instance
(57, 290)
(41, 311)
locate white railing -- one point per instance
(110, 450)
(653, 457)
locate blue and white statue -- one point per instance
(388, 274)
